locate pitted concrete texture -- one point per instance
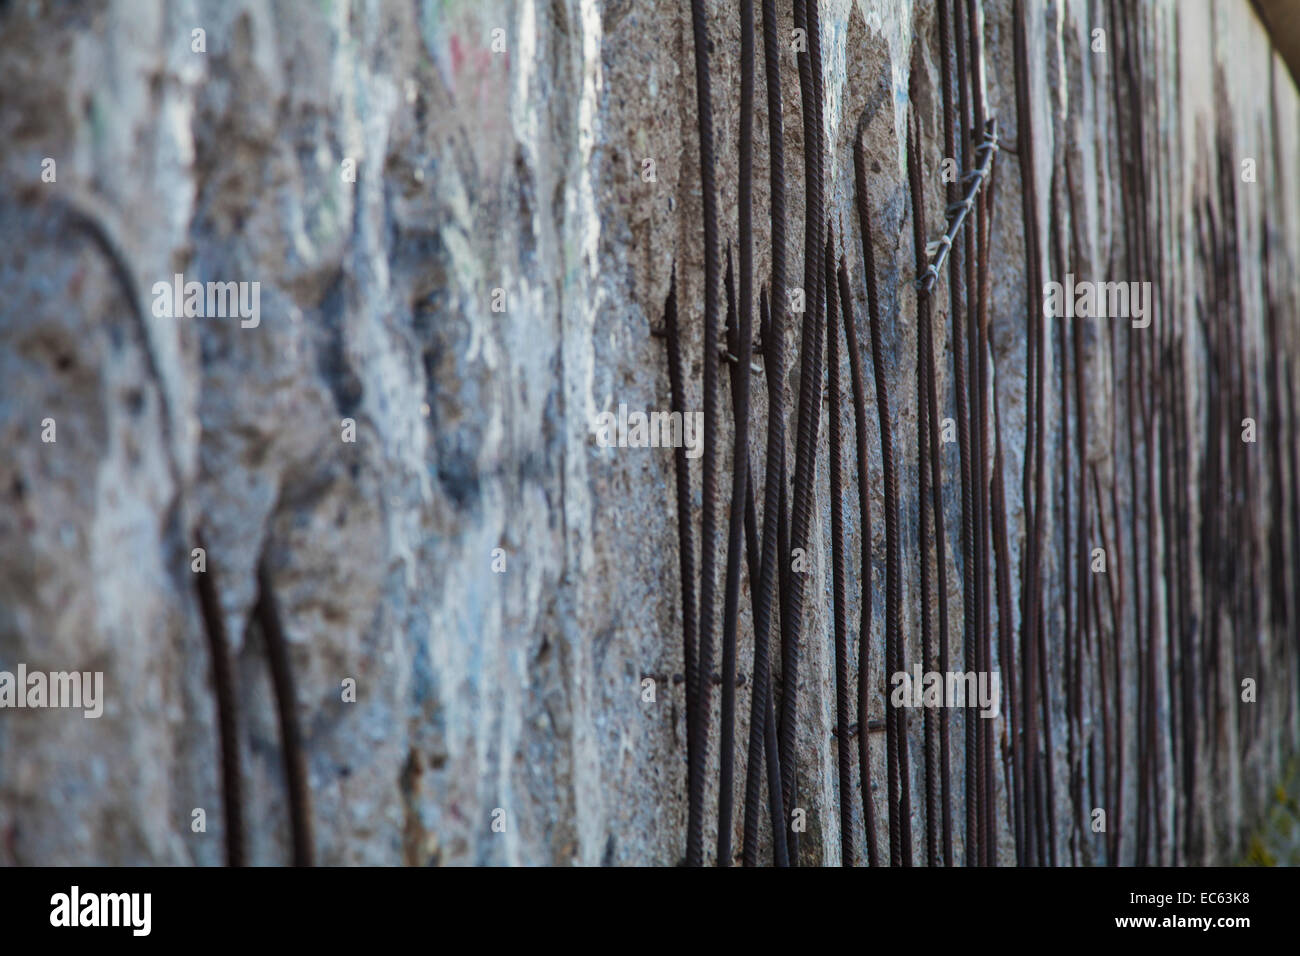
(506, 169)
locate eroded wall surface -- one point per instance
(518, 687)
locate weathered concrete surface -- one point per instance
(1277, 841)
(476, 170)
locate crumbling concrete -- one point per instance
(496, 584)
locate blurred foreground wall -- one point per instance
(460, 261)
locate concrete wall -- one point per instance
(521, 170)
